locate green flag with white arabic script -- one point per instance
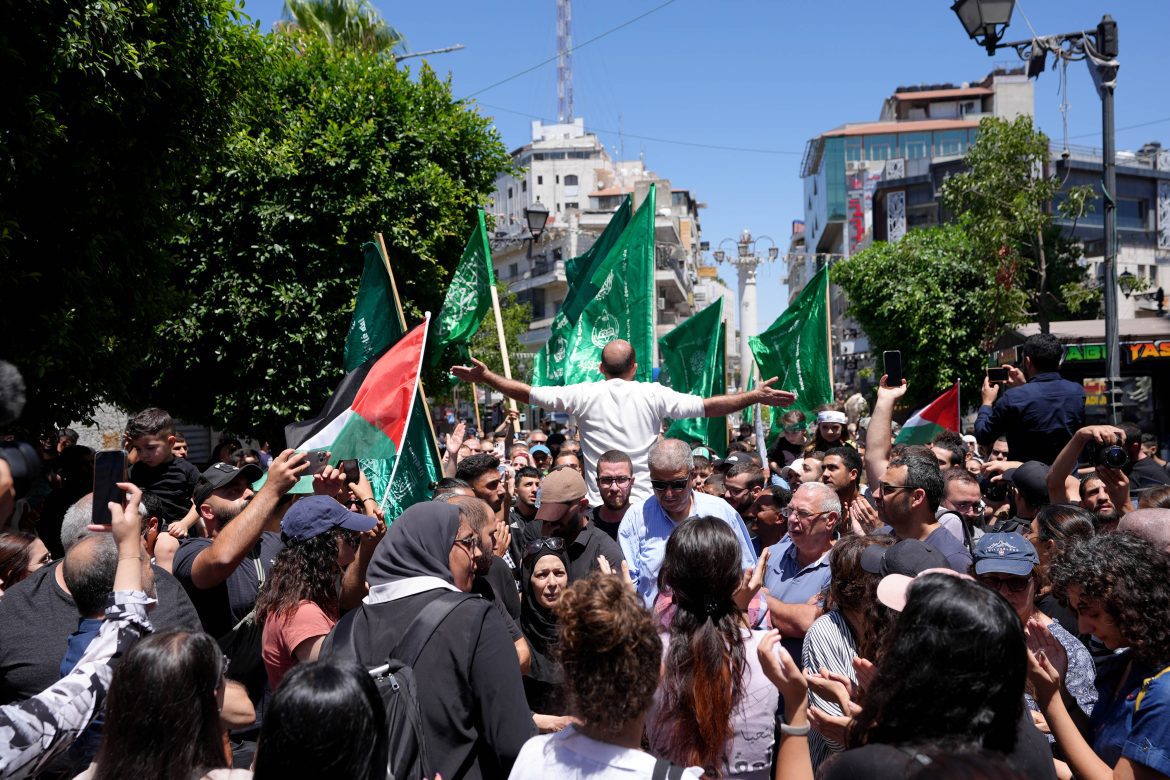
(693, 357)
(623, 307)
(548, 365)
(795, 347)
(467, 302)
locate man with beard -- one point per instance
(564, 513)
(1095, 498)
(908, 495)
(742, 485)
(962, 498)
(1092, 493)
(615, 481)
(223, 572)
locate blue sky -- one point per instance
(762, 76)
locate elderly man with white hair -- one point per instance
(647, 525)
(798, 565)
(1153, 525)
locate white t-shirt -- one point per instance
(618, 415)
(570, 755)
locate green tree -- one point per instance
(1004, 201)
(328, 147)
(347, 24)
(931, 296)
(108, 109)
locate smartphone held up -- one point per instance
(109, 468)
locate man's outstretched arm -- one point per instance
(480, 373)
(720, 405)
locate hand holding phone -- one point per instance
(317, 460)
(892, 361)
(109, 468)
(997, 375)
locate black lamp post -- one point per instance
(985, 22)
(536, 216)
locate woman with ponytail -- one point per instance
(714, 707)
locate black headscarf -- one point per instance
(538, 623)
(418, 544)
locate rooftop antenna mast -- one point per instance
(564, 61)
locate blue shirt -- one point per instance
(1132, 716)
(646, 527)
(791, 583)
(1038, 418)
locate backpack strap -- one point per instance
(419, 632)
(664, 770)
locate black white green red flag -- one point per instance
(942, 414)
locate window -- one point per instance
(540, 180)
(509, 193)
(570, 180)
(524, 185)
(950, 142)
(572, 205)
(558, 178)
(513, 270)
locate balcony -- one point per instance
(542, 272)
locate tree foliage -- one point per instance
(929, 296)
(346, 24)
(108, 108)
(329, 146)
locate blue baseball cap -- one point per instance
(314, 515)
(1008, 553)
(538, 448)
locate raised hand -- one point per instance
(773, 397)
(751, 581)
(285, 469)
(886, 390)
(779, 667)
(604, 567)
(473, 373)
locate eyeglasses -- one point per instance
(610, 481)
(1010, 584)
(788, 513)
(469, 542)
(888, 488)
(664, 485)
(547, 543)
(965, 506)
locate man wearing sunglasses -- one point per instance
(648, 525)
(562, 512)
(619, 413)
(908, 496)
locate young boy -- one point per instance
(172, 480)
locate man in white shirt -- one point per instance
(648, 525)
(619, 413)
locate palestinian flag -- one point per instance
(941, 415)
(369, 411)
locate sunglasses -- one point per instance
(1010, 584)
(554, 543)
(664, 485)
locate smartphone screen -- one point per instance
(350, 469)
(997, 375)
(109, 468)
(893, 365)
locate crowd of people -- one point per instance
(604, 601)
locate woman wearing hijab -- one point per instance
(474, 715)
(545, 577)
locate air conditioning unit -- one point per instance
(700, 297)
(661, 304)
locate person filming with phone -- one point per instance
(1038, 411)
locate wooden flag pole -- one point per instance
(504, 353)
(829, 334)
(402, 323)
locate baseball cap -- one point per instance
(703, 452)
(732, 459)
(559, 488)
(893, 588)
(907, 557)
(1031, 479)
(220, 474)
(314, 515)
(537, 448)
(796, 467)
(1008, 553)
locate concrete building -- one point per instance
(569, 171)
(918, 127)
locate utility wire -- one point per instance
(581, 45)
(1127, 127)
(720, 147)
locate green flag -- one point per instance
(548, 365)
(795, 347)
(468, 299)
(622, 308)
(377, 323)
(693, 356)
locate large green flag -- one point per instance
(467, 302)
(377, 323)
(622, 308)
(548, 366)
(795, 347)
(693, 357)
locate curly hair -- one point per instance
(952, 673)
(853, 588)
(304, 571)
(609, 651)
(1132, 580)
(704, 670)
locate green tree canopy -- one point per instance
(329, 146)
(347, 24)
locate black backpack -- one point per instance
(406, 755)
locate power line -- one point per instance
(1127, 127)
(581, 45)
(695, 144)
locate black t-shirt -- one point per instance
(611, 529)
(1146, 474)
(783, 452)
(229, 602)
(475, 717)
(589, 544)
(1032, 756)
(498, 587)
(172, 482)
(37, 616)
